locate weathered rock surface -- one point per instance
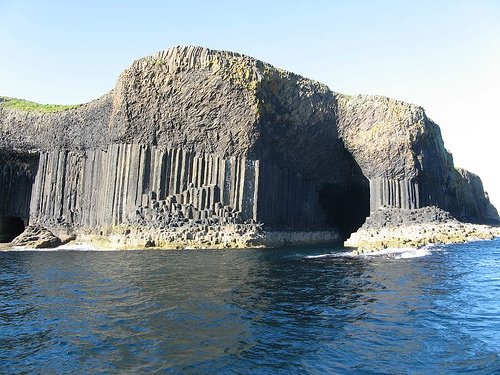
(36, 237)
(401, 151)
(394, 217)
(17, 174)
(413, 228)
(192, 138)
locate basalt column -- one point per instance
(17, 172)
(127, 182)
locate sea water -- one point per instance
(295, 310)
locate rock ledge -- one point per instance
(396, 228)
(36, 237)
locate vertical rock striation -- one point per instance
(107, 187)
(193, 141)
(401, 151)
(129, 183)
(17, 173)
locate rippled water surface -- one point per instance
(295, 310)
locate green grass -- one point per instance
(25, 105)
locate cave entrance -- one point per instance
(347, 208)
(10, 228)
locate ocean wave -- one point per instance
(391, 253)
(80, 246)
(344, 254)
(401, 253)
(72, 246)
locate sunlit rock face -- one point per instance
(192, 137)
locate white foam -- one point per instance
(77, 246)
(415, 253)
(18, 248)
(331, 255)
(401, 252)
(391, 253)
(73, 246)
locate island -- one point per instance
(197, 148)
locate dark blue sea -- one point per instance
(286, 311)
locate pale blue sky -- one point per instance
(441, 54)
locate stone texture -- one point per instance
(414, 228)
(17, 174)
(161, 187)
(401, 151)
(192, 138)
(394, 217)
(36, 237)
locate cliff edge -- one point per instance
(195, 147)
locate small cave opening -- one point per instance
(10, 228)
(345, 208)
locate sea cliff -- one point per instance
(202, 148)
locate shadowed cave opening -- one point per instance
(345, 209)
(10, 228)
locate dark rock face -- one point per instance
(472, 203)
(17, 174)
(76, 129)
(191, 136)
(401, 152)
(142, 185)
(10, 227)
(396, 217)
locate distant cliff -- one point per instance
(193, 138)
(401, 151)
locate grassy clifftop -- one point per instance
(25, 105)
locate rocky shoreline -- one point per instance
(198, 148)
(129, 237)
(396, 228)
(384, 228)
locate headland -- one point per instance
(196, 148)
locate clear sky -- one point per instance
(441, 54)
